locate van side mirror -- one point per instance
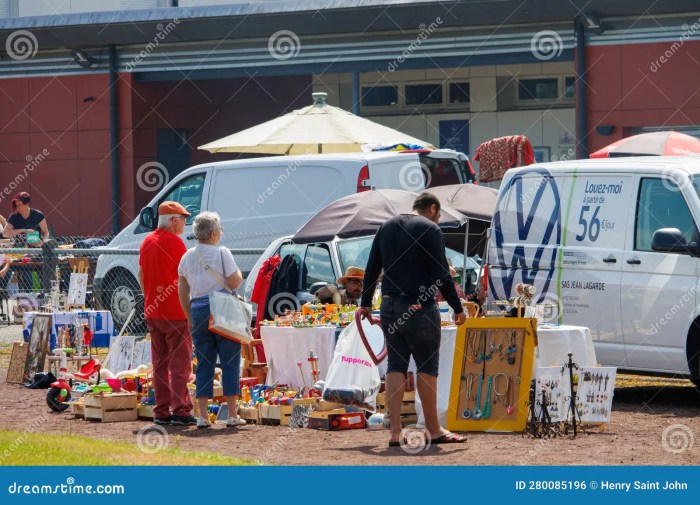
(147, 219)
(671, 240)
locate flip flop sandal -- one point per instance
(449, 438)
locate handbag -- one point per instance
(230, 317)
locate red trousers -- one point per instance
(171, 355)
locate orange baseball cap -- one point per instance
(172, 209)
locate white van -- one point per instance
(259, 200)
(613, 244)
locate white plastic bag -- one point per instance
(353, 378)
(230, 317)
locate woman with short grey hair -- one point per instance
(204, 269)
(205, 224)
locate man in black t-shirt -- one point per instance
(410, 249)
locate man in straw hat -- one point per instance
(350, 292)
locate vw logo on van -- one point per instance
(527, 228)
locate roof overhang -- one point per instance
(311, 17)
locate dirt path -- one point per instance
(641, 413)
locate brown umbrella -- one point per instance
(362, 214)
(475, 202)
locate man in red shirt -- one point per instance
(171, 341)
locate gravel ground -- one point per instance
(654, 421)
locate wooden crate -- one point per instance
(408, 405)
(249, 414)
(280, 414)
(77, 408)
(146, 412)
(111, 407)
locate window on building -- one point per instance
(380, 96)
(538, 89)
(459, 92)
(569, 87)
(423, 94)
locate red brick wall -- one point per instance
(642, 85)
(47, 119)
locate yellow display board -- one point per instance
(491, 375)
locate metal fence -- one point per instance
(33, 278)
(40, 277)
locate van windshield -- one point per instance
(355, 253)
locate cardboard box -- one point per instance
(334, 420)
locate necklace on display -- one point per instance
(482, 347)
(471, 347)
(512, 349)
(488, 356)
(500, 396)
(487, 401)
(469, 381)
(477, 411)
(510, 407)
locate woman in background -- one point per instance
(205, 269)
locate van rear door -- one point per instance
(659, 288)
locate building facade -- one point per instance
(101, 102)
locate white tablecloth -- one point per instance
(555, 342)
(285, 346)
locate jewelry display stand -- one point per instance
(492, 370)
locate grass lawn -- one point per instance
(19, 448)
